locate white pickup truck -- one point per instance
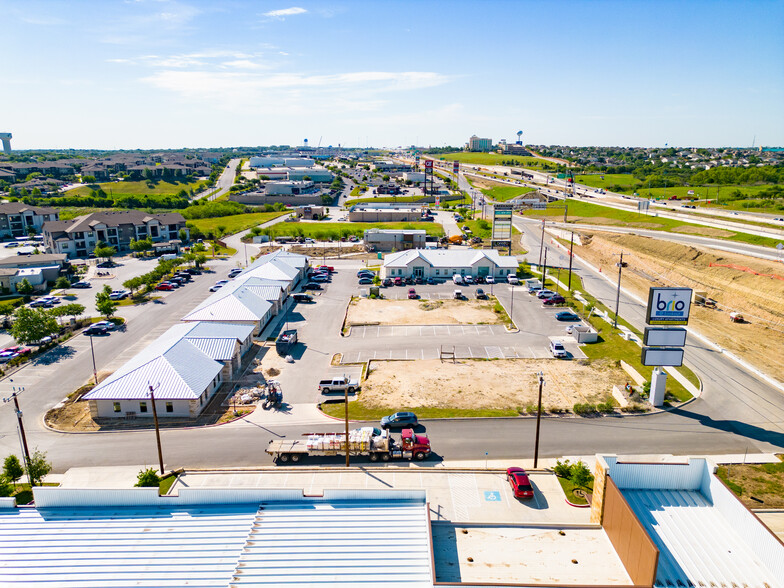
(343, 383)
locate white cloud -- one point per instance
(283, 12)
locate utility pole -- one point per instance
(621, 265)
(157, 429)
(566, 208)
(571, 249)
(345, 392)
(22, 436)
(92, 351)
(544, 271)
(538, 420)
(541, 245)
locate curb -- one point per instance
(576, 505)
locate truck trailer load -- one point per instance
(361, 442)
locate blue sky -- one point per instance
(179, 73)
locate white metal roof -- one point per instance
(178, 370)
(113, 547)
(215, 329)
(697, 545)
(338, 544)
(240, 305)
(450, 258)
(217, 349)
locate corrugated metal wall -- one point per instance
(657, 476)
(765, 545)
(637, 551)
(8, 502)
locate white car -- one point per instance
(512, 280)
(557, 349)
(109, 325)
(218, 285)
(118, 294)
(490, 280)
(457, 279)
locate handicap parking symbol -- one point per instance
(492, 496)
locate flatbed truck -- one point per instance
(362, 442)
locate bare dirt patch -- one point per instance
(421, 312)
(706, 231)
(502, 384)
(760, 299)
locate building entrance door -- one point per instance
(419, 271)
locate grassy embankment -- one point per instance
(495, 159)
(581, 211)
(140, 188)
(504, 193)
(234, 223)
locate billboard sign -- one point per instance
(455, 166)
(668, 306)
(429, 165)
(502, 222)
(662, 356)
(664, 337)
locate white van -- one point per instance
(457, 279)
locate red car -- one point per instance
(521, 485)
(328, 268)
(164, 286)
(557, 299)
(398, 281)
(412, 295)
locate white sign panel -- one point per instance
(662, 356)
(668, 306)
(664, 337)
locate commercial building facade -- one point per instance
(445, 263)
(395, 240)
(381, 212)
(479, 144)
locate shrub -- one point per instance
(531, 409)
(582, 409)
(148, 479)
(606, 406)
(580, 475)
(563, 469)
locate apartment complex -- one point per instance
(79, 236)
(17, 218)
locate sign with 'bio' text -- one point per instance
(668, 306)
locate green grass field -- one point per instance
(605, 180)
(234, 223)
(579, 211)
(382, 199)
(127, 188)
(359, 412)
(324, 230)
(495, 159)
(504, 193)
(69, 212)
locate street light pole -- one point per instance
(618, 293)
(538, 420)
(571, 254)
(345, 393)
(92, 351)
(22, 436)
(157, 429)
(541, 245)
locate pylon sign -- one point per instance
(455, 167)
(429, 164)
(668, 306)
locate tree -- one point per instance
(105, 305)
(580, 475)
(88, 179)
(62, 283)
(200, 260)
(74, 309)
(12, 469)
(38, 467)
(134, 284)
(104, 252)
(148, 479)
(32, 324)
(147, 174)
(24, 287)
(183, 235)
(5, 487)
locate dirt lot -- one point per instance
(421, 312)
(470, 384)
(758, 486)
(760, 299)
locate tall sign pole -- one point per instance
(618, 292)
(571, 254)
(157, 429)
(345, 392)
(538, 420)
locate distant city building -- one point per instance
(479, 144)
(289, 188)
(513, 149)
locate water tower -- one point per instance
(519, 137)
(6, 139)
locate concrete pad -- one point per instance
(102, 478)
(774, 521)
(539, 555)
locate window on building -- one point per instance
(117, 407)
(142, 407)
(438, 272)
(169, 407)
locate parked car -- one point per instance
(512, 280)
(490, 280)
(164, 286)
(218, 285)
(399, 419)
(532, 290)
(545, 293)
(457, 294)
(177, 281)
(468, 279)
(398, 281)
(235, 272)
(184, 275)
(365, 280)
(119, 294)
(81, 284)
(10, 353)
(303, 298)
(557, 299)
(418, 280)
(457, 279)
(40, 304)
(521, 485)
(557, 349)
(193, 271)
(312, 286)
(388, 282)
(412, 295)
(320, 278)
(365, 272)
(109, 325)
(328, 268)
(96, 330)
(480, 294)
(565, 315)
(431, 281)
(52, 299)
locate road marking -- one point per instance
(492, 496)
